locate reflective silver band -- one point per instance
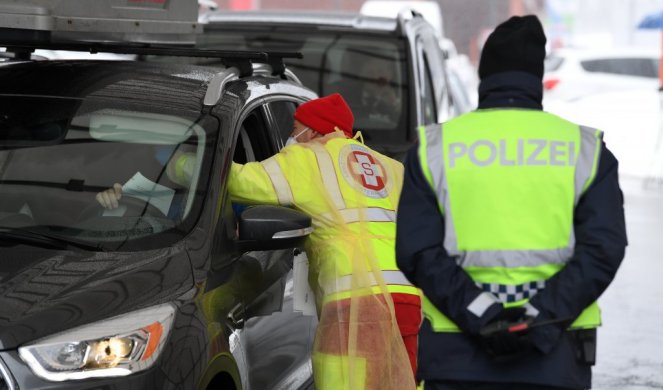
(435, 160)
(512, 259)
(531, 310)
(590, 150)
(481, 303)
(328, 174)
(369, 214)
(281, 185)
(344, 283)
(293, 233)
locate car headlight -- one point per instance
(117, 346)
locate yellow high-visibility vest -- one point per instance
(507, 183)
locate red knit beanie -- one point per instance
(325, 113)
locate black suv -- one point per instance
(173, 289)
(390, 70)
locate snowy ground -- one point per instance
(630, 346)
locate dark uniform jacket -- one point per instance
(600, 243)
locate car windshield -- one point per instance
(57, 154)
(368, 70)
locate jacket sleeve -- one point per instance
(422, 258)
(250, 184)
(600, 234)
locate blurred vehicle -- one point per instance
(462, 73)
(207, 5)
(430, 10)
(632, 123)
(390, 70)
(460, 70)
(572, 74)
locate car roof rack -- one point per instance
(145, 21)
(242, 60)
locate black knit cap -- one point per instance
(519, 44)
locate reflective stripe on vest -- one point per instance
(328, 174)
(531, 243)
(345, 283)
(280, 183)
(341, 288)
(369, 214)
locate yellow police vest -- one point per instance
(507, 183)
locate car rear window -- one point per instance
(640, 67)
(370, 71)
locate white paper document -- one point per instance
(303, 299)
(145, 189)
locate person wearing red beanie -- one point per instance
(350, 192)
(326, 114)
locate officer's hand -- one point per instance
(503, 339)
(109, 198)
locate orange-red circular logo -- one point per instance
(362, 170)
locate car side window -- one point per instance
(243, 149)
(264, 131)
(253, 140)
(639, 67)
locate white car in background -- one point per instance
(615, 91)
(632, 122)
(572, 74)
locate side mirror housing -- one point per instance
(272, 227)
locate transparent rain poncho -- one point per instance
(358, 344)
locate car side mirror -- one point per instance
(272, 227)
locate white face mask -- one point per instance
(293, 140)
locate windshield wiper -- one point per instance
(44, 240)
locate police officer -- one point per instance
(511, 222)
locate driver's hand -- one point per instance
(109, 198)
